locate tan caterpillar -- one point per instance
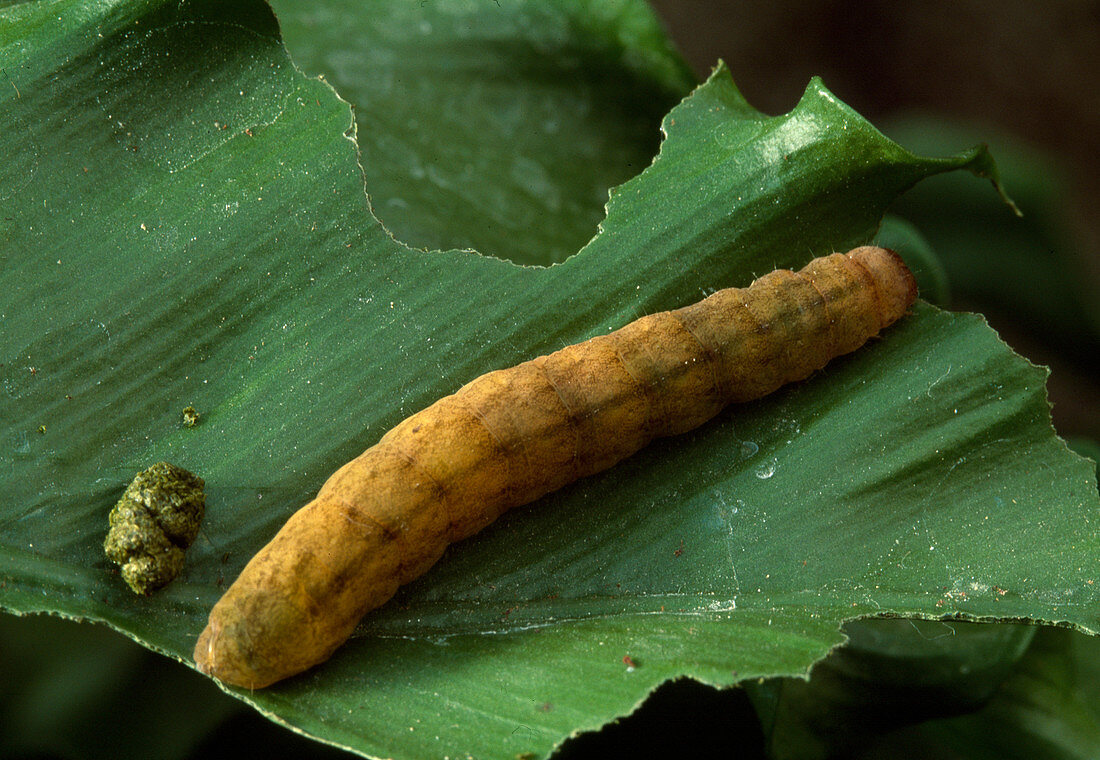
(510, 436)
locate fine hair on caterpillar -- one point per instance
(513, 435)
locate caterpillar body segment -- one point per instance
(511, 436)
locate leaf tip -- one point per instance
(979, 161)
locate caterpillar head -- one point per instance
(895, 285)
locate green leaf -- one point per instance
(494, 126)
(944, 689)
(889, 674)
(1047, 708)
(1087, 447)
(185, 225)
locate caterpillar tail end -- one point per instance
(894, 283)
(218, 653)
(239, 651)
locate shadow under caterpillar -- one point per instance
(513, 435)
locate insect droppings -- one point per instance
(190, 416)
(152, 525)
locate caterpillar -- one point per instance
(511, 436)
